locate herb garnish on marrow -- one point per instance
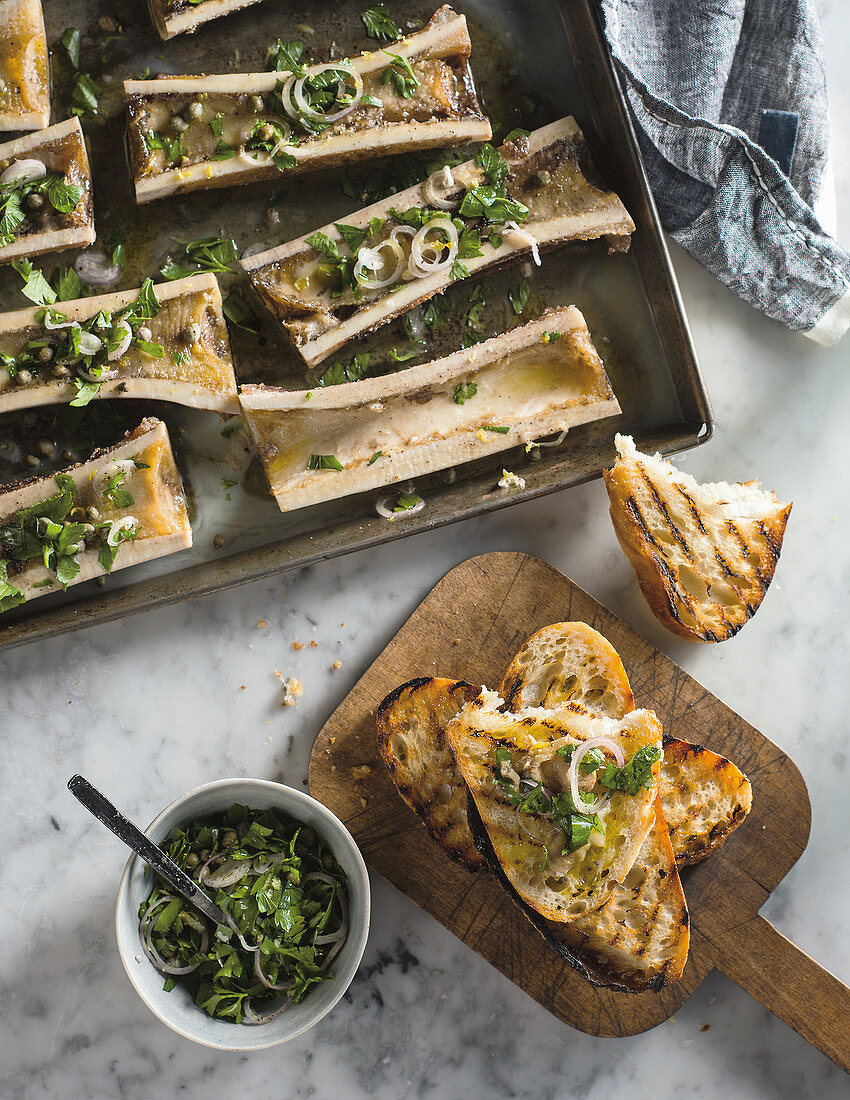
(283, 894)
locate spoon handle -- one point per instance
(134, 838)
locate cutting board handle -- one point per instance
(790, 984)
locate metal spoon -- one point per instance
(134, 838)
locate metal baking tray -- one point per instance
(533, 61)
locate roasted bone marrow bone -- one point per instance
(179, 16)
(24, 74)
(124, 506)
(330, 442)
(167, 342)
(189, 132)
(45, 193)
(538, 191)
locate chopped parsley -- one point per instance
(502, 429)
(519, 297)
(44, 534)
(84, 96)
(70, 39)
(214, 254)
(634, 776)
(290, 901)
(36, 287)
(20, 200)
(236, 309)
(336, 373)
(374, 458)
(463, 391)
(325, 462)
(436, 312)
(401, 75)
(379, 25)
(550, 337)
(407, 501)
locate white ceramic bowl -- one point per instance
(176, 1008)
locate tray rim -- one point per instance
(366, 531)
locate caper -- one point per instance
(328, 861)
(195, 110)
(92, 513)
(228, 838)
(205, 853)
(534, 454)
(272, 216)
(192, 332)
(34, 201)
(32, 461)
(266, 132)
(23, 377)
(45, 354)
(178, 124)
(307, 836)
(68, 455)
(60, 371)
(46, 447)
(257, 104)
(541, 178)
(192, 860)
(144, 333)
(218, 542)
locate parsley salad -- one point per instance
(284, 896)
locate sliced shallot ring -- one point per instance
(417, 263)
(367, 260)
(251, 1017)
(128, 523)
(230, 872)
(446, 182)
(146, 933)
(514, 230)
(124, 343)
(572, 774)
(96, 269)
(304, 108)
(233, 925)
(20, 171)
(52, 326)
(282, 988)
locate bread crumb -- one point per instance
(362, 800)
(244, 687)
(333, 740)
(361, 771)
(261, 623)
(291, 690)
(278, 673)
(456, 641)
(333, 767)
(337, 664)
(314, 645)
(297, 645)
(705, 1027)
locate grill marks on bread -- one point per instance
(704, 555)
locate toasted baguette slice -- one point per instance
(639, 939)
(705, 798)
(564, 663)
(704, 555)
(411, 738)
(529, 845)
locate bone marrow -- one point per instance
(45, 193)
(353, 276)
(24, 75)
(179, 16)
(515, 388)
(167, 342)
(190, 132)
(124, 506)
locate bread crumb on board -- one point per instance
(297, 646)
(361, 771)
(291, 690)
(337, 664)
(261, 624)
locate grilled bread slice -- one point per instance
(564, 663)
(705, 798)
(411, 739)
(530, 845)
(703, 795)
(704, 555)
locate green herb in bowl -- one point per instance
(283, 893)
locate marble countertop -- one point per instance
(425, 1016)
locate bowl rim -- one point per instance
(362, 924)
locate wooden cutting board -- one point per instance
(469, 627)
